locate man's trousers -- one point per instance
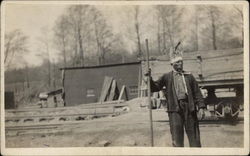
(181, 119)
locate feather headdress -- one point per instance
(176, 53)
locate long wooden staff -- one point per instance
(149, 98)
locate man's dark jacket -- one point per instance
(194, 93)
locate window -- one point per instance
(133, 90)
(90, 92)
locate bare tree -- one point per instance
(27, 75)
(44, 42)
(196, 28)
(61, 36)
(159, 34)
(193, 30)
(241, 22)
(137, 30)
(170, 21)
(212, 13)
(80, 31)
(79, 18)
(15, 45)
(211, 16)
(103, 35)
(220, 27)
(134, 28)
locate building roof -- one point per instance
(54, 92)
(101, 66)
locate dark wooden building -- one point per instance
(83, 85)
(9, 100)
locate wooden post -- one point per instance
(149, 97)
(199, 60)
(63, 89)
(123, 90)
(139, 83)
(107, 83)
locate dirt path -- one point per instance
(130, 129)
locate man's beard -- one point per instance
(178, 69)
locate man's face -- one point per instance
(178, 65)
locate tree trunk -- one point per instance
(171, 31)
(49, 70)
(64, 53)
(49, 74)
(159, 36)
(6, 52)
(159, 42)
(98, 45)
(137, 29)
(27, 77)
(242, 29)
(168, 25)
(164, 35)
(81, 48)
(196, 31)
(242, 40)
(138, 41)
(64, 58)
(170, 37)
(75, 44)
(103, 57)
(242, 22)
(213, 31)
(54, 75)
(76, 53)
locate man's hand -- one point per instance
(148, 72)
(201, 114)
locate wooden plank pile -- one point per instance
(110, 90)
(36, 116)
(110, 103)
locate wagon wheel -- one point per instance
(235, 110)
(219, 109)
(227, 109)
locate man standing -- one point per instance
(183, 97)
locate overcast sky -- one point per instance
(30, 18)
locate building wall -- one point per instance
(9, 100)
(51, 102)
(84, 85)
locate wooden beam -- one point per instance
(105, 88)
(112, 92)
(139, 82)
(63, 108)
(123, 91)
(51, 115)
(149, 98)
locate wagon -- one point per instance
(220, 75)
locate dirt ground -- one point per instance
(129, 129)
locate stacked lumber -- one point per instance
(110, 90)
(22, 117)
(30, 118)
(114, 92)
